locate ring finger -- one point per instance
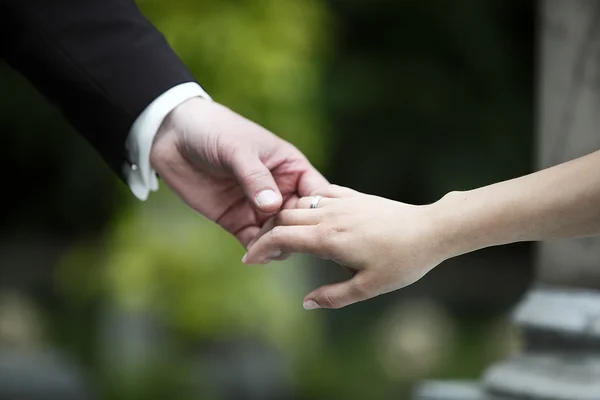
(313, 202)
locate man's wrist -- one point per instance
(140, 175)
(178, 121)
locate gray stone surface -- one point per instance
(569, 122)
(451, 390)
(569, 312)
(39, 376)
(546, 376)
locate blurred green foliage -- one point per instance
(406, 99)
(262, 58)
(187, 272)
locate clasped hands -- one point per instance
(258, 187)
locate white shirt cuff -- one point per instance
(140, 175)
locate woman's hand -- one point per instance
(387, 245)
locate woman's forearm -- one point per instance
(558, 202)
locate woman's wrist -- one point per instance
(463, 224)
(493, 215)
(439, 228)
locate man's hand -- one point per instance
(229, 169)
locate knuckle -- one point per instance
(276, 234)
(331, 236)
(360, 291)
(330, 214)
(322, 238)
(284, 217)
(360, 288)
(253, 176)
(320, 233)
(331, 301)
(281, 217)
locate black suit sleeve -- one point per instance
(99, 61)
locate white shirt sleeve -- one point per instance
(140, 175)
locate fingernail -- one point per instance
(267, 197)
(311, 305)
(244, 258)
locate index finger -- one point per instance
(284, 239)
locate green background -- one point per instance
(404, 99)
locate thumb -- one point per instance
(337, 295)
(257, 182)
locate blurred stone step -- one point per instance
(452, 390)
(558, 376)
(570, 313)
(33, 375)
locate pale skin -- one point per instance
(229, 169)
(389, 245)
